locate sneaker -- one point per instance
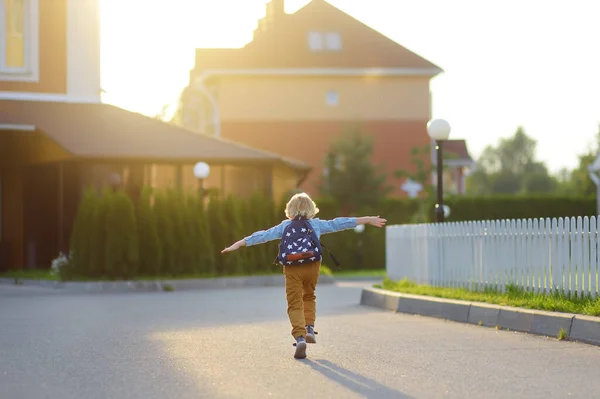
(310, 335)
(300, 348)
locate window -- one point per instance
(329, 41)
(315, 41)
(333, 98)
(19, 40)
(333, 40)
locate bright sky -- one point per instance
(507, 62)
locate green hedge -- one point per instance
(517, 207)
(166, 233)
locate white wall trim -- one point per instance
(31, 71)
(341, 72)
(24, 96)
(83, 49)
(322, 72)
(16, 126)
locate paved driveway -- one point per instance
(236, 344)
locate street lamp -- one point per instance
(439, 130)
(201, 171)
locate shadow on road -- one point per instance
(355, 382)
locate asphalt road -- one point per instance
(236, 344)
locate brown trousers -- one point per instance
(300, 284)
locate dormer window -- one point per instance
(324, 41)
(333, 41)
(19, 40)
(315, 41)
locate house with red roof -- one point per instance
(303, 79)
(57, 137)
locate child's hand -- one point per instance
(230, 249)
(377, 221)
(235, 246)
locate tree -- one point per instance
(351, 178)
(150, 245)
(578, 181)
(511, 168)
(122, 242)
(203, 244)
(165, 229)
(421, 175)
(99, 236)
(81, 243)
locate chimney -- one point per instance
(278, 7)
(275, 12)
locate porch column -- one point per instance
(268, 173)
(178, 176)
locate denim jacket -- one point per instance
(320, 226)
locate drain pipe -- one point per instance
(199, 84)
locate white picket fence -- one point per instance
(539, 255)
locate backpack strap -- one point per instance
(331, 255)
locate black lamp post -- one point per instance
(439, 131)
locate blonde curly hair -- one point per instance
(301, 205)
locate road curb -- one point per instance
(277, 280)
(577, 327)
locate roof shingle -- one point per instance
(285, 46)
(106, 131)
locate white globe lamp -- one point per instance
(201, 170)
(438, 129)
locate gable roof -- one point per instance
(455, 153)
(285, 45)
(103, 131)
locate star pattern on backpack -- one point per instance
(299, 244)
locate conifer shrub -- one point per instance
(122, 243)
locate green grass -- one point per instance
(32, 274)
(514, 296)
(44, 274)
(361, 273)
(562, 334)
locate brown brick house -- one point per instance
(57, 137)
(312, 73)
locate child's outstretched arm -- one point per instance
(237, 245)
(345, 223)
(372, 220)
(258, 237)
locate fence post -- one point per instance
(585, 266)
(594, 240)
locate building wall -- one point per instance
(271, 113)
(67, 59)
(240, 181)
(284, 181)
(252, 99)
(11, 207)
(52, 58)
(392, 143)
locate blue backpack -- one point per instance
(299, 244)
